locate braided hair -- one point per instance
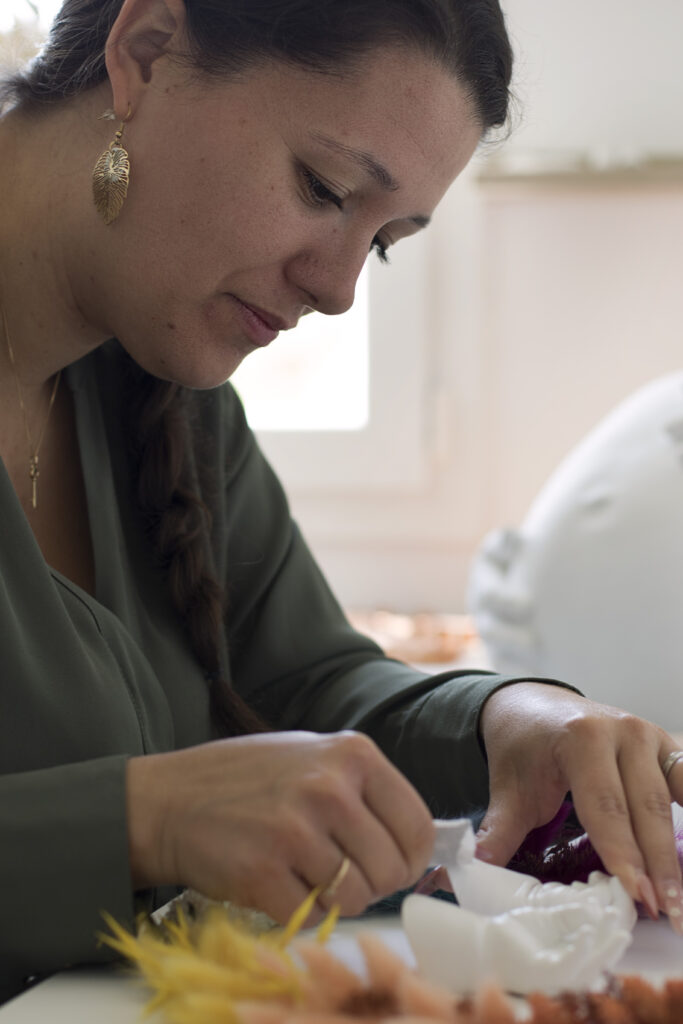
(178, 524)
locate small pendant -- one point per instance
(34, 474)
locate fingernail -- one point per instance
(648, 896)
(630, 879)
(673, 905)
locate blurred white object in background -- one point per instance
(40, 12)
(590, 588)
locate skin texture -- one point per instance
(220, 210)
(219, 204)
(262, 820)
(541, 744)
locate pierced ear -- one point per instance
(144, 31)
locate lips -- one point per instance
(276, 323)
(260, 326)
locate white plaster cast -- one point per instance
(512, 929)
(589, 588)
(530, 949)
(489, 890)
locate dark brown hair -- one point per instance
(178, 524)
(466, 37)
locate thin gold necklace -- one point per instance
(33, 471)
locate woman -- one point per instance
(271, 145)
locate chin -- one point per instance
(190, 369)
(205, 378)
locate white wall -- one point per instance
(598, 74)
(549, 302)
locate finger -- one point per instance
(603, 809)
(373, 850)
(337, 806)
(502, 831)
(512, 813)
(281, 893)
(395, 803)
(316, 858)
(437, 880)
(673, 767)
(346, 886)
(388, 797)
(649, 802)
(284, 891)
(359, 831)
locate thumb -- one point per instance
(503, 829)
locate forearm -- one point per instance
(432, 733)
(64, 860)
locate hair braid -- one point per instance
(178, 523)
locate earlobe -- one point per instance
(144, 31)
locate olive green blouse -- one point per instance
(88, 681)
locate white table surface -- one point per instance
(108, 996)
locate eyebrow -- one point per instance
(370, 165)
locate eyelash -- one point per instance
(319, 195)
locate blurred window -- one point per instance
(314, 377)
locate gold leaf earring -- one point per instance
(111, 174)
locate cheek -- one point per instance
(198, 213)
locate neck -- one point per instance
(34, 421)
(47, 231)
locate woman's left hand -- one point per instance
(543, 741)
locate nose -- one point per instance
(327, 278)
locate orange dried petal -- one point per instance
(492, 1007)
(384, 967)
(545, 1010)
(373, 1004)
(673, 999)
(604, 1008)
(643, 1000)
(465, 1011)
(260, 1013)
(409, 1019)
(320, 1017)
(417, 996)
(330, 982)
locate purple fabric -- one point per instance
(557, 852)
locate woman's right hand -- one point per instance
(261, 820)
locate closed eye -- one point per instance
(317, 192)
(380, 249)
(319, 195)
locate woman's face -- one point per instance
(256, 200)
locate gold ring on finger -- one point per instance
(669, 761)
(329, 890)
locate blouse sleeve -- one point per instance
(297, 660)
(63, 859)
